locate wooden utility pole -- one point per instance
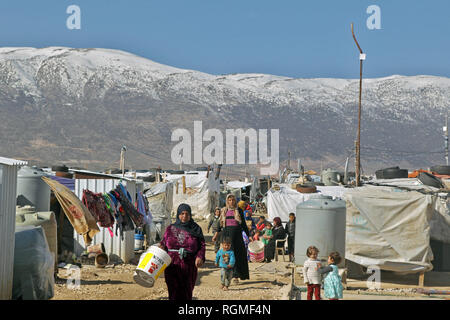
(122, 160)
(446, 138)
(362, 57)
(289, 160)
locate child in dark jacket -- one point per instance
(290, 230)
(214, 222)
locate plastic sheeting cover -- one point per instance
(390, 228)
(280, 203)
(160, 200)
(33, 265)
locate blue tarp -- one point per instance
(69, 183)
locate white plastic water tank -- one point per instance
(320, 222)
(32, 190)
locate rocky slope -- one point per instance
(79, 106)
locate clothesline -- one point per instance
(117, 207)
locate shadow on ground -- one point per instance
(431, 279)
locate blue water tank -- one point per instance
(138, 241)
(320, 222)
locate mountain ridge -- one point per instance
(82, 105)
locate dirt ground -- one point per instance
(268, 281)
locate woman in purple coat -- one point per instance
(185, 244)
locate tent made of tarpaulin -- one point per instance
(160, 202)
(283, 200)
(391, 228)
(200, 191)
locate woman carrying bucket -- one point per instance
(185, 244)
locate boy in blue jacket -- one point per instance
(225, 260)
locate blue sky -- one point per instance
(296, 38)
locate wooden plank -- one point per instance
(422, 279)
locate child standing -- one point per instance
(214, 222)
(332, 283)
(225, 260)
(290, 230)
(311, 275)
(249, 221)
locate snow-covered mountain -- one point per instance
(79, 106)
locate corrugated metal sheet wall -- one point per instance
(8, 192)
(113, 245)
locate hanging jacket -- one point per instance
(127, 205)
(141, 208)
(123, 221)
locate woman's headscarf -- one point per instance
(277, 222)
(224, 210)
(193, 228)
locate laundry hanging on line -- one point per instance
(97, 206)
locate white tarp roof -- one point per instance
(401, 182)
(157, 188)
(281, 202)
(391, 228)
(236, 184)
(138, 174)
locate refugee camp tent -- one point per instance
(282, 199)
(160, 201)
(200, 190)
(391, 227)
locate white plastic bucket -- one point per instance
(256, 251)
(151, 265)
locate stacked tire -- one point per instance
(306, 188)
(430, 180)
(391, 173)
(444, 170)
